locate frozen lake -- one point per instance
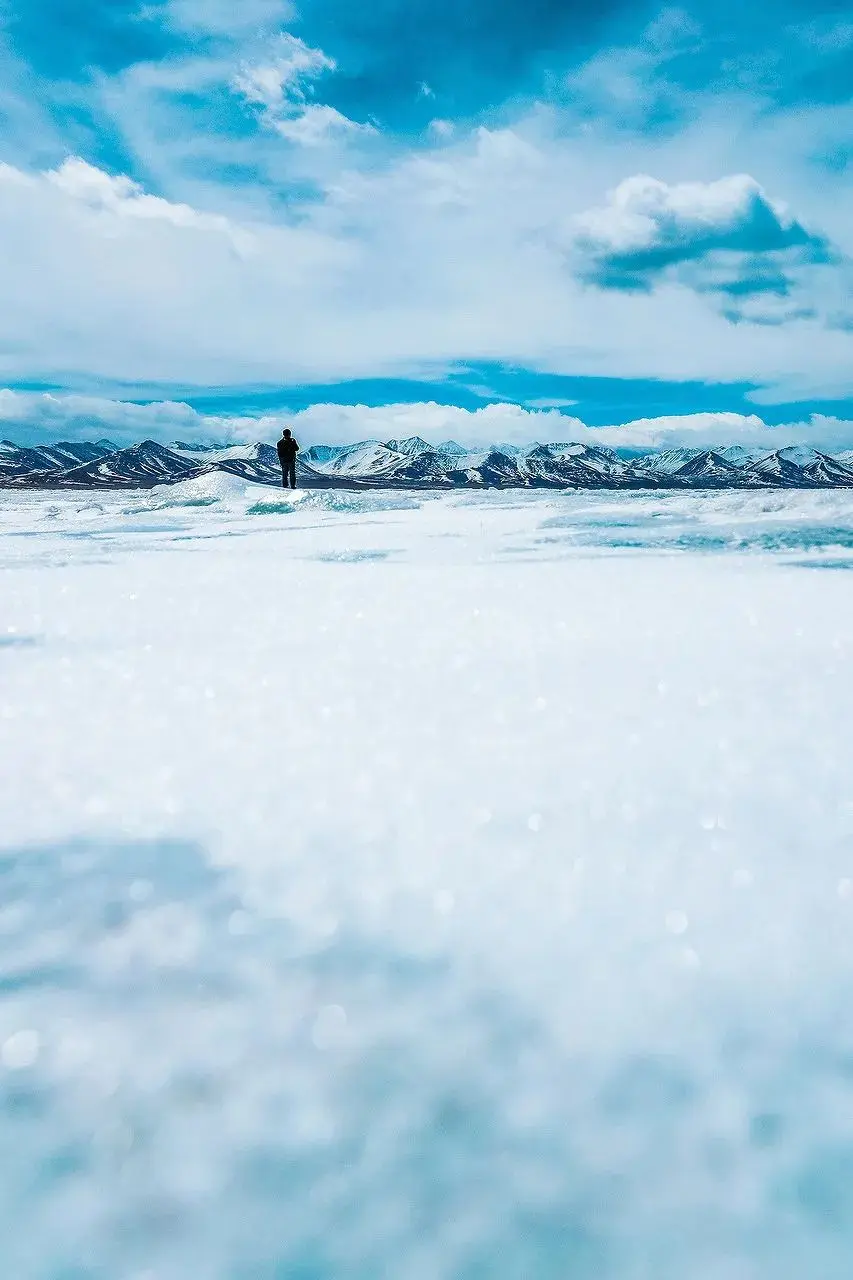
(431, 887)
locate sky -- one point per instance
(618, 212)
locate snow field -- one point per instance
(435, 887)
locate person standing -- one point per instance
(287, 451)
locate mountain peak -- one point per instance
(410, 447)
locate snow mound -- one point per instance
(203, 490)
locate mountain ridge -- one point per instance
(414, 463)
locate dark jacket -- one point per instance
(287, 451)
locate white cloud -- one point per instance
(316, 125)
(745, 241)
(281, 87)
(122, 198)
(99, 280)
(40, 417)
(30, 418)
(286, 76)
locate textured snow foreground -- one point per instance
(431, 888)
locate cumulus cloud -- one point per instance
(38, 417)
(716, 430)
(726, 236)
(123, 198)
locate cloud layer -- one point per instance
(211, 195)
(35, 418)
(452, 254)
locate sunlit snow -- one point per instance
(426, 887)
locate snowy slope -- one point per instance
(710, 470)
(318, 454)
(15, 461)
(491, 468)
(826, 470)
(802, 467)
(139, 466)
(581, 466)
(667, 461)
(257, 462)
(775, 469)
(411, 447)
(369, 460)
(739, 456)
(426, 466)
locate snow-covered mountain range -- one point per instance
(415, 463)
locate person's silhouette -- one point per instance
(287, 450)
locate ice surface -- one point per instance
(434, 887)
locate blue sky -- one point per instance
(614, 211)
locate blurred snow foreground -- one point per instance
(432, 888)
